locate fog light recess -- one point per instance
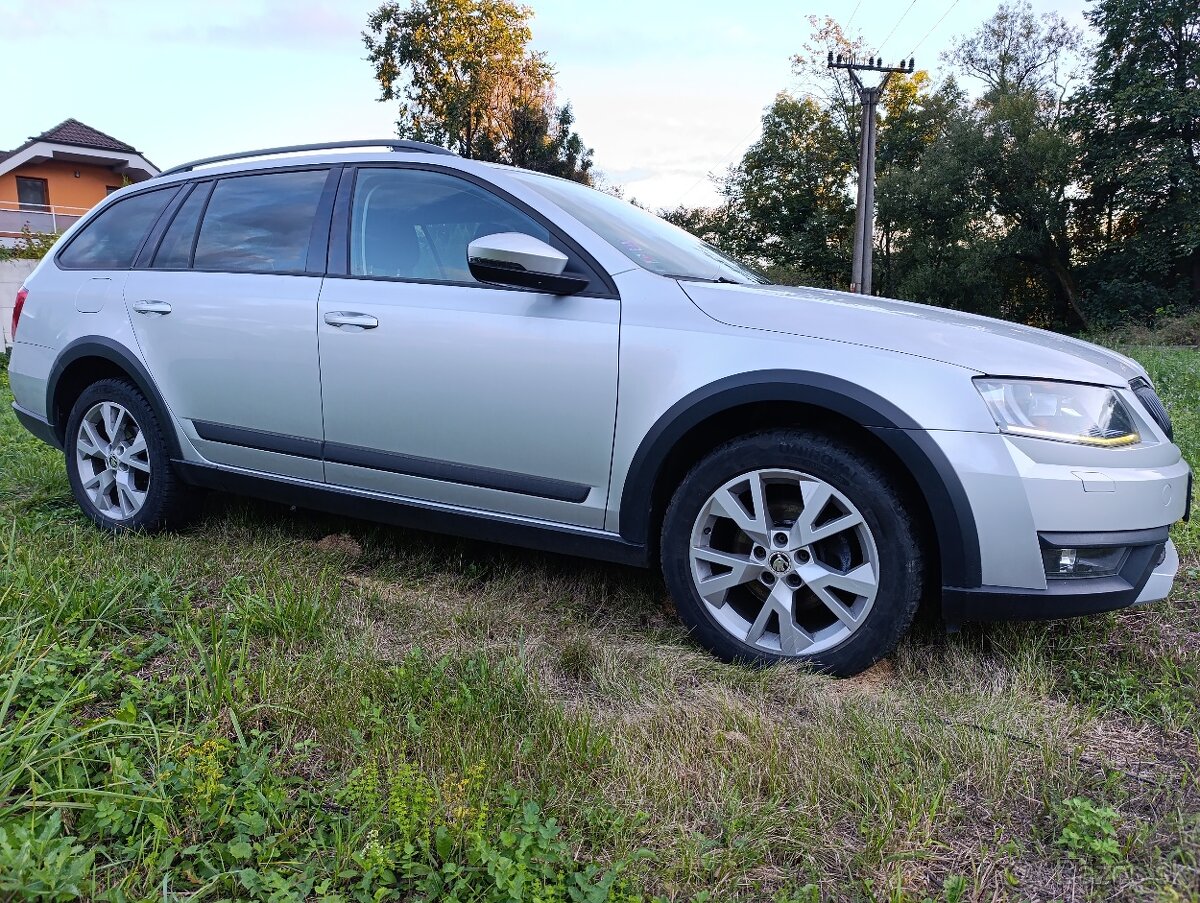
(1095, 561)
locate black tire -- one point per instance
(900, 568)
(169, 502)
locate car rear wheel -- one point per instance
(787, 546)
(118, 463)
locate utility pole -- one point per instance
(864, 215)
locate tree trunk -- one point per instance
(1196, 276)
(1061, 270)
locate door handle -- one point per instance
(152, 307)
(347, 318)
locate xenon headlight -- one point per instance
(1064, 412)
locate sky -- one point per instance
(667, 92)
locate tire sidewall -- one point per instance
(150, 516)
(851, 473)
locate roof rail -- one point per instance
(393, 144)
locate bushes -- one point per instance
(30, 245)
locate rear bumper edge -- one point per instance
(39, 426)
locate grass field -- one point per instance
(281, 705)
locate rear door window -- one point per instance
(175, 252)
(260, 223)
(112, 239)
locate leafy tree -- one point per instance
(1019, 154)
(1141, 156)
(788, 208)
(925, 221)
(541, 138)
(1015, 52)
(466, 78)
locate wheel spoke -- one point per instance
(128, 496)
(713, 587)
(792, 639)
(752, 523)
(101, 481)
(821, 580)
(816, 497)
(95, 445)
(136, 455)
(98, 487)
(112, 415)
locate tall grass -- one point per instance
(242, 711)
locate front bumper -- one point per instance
(1027, 495)
(1146, 576)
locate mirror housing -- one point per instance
(516, 259)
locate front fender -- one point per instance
(931, 471)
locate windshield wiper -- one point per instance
(691, 278)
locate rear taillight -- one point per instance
(21, 296)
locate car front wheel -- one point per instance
(788, 546)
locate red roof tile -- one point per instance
(72, 131)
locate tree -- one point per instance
(924, 217)
(1141, 155)
(1020, 152)
(1015, 52)
(466, 79)
(789, 210)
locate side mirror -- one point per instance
(513, 258)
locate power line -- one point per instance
(850, 21)
(934, 28)
(897, 25)
(721, 162)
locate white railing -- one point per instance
(52, 218)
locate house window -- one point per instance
(33, 194)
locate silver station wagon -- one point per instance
(384, 329)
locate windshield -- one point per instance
(648, 241)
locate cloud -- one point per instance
(33, 19)
(272, 23)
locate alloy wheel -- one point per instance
(784, 562)
(113, 461)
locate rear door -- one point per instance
(224, 309)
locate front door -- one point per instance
(226, 320)
(439, 388)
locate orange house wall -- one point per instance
(63, 188)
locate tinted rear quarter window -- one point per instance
(110, 241)
(260, 223)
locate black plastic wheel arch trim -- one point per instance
(108, 350)
(408, 465)
(413, 514)
(953, 520)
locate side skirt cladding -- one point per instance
(417, 515)
(953, 521)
